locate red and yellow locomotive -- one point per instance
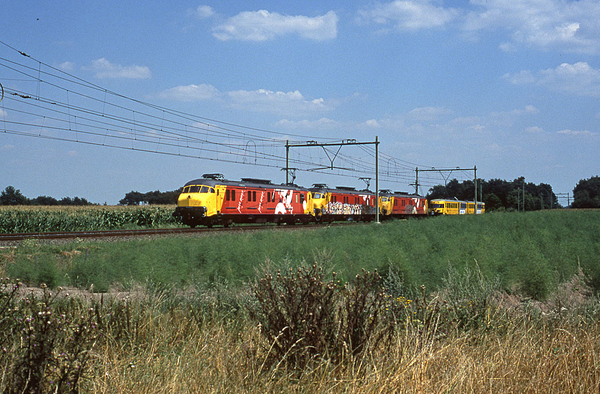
(213, 200)
(401, 205)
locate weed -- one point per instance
(50, 345)
(306, 317)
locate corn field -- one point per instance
(28, 219)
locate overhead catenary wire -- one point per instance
(54, 104)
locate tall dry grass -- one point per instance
(517, 346)
(528, 357)
(159, 340)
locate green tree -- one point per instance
(587, 193)
(132, 198)
(44, 200)
(499, 194)
(12, 196)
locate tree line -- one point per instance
(498, 195)
(150, 198)
(12, 196)
(517, 195)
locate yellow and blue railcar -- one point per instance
(455, 207)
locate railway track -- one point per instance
(13, 237)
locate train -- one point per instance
(455, 207)
(213, 200)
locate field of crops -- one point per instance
(25, 219)
(502, 302)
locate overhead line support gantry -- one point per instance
(332, 166)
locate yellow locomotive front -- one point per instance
(386, 203)
(319, 204)
(199, 203)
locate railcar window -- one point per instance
(254, 196)
(301, 198)
(186, 189)
(194, 189)
(233, 195)
(268, 197)
(228, 195)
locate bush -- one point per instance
(50, 341)
(305, 316)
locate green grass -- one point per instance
(530, 253)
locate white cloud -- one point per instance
(520, 78)
(191, 93)
(105, 69)
(72, 153)
(372, 123)
(409, 15)
(264, 25)
(204, 12)
(534, 130)
(578, 78)
(576, 132)
(67, 66)
(260, 100)
(428, 113)
(6, 147)
(568, 25)
(283, 103)
(323, 123)
(529, 109)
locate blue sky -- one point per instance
(511, 87)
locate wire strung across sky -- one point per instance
(49, 103)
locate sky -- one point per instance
(511, 87)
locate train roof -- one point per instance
(390, 193)
(218, 179)
(323, 188)
(454, 200)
